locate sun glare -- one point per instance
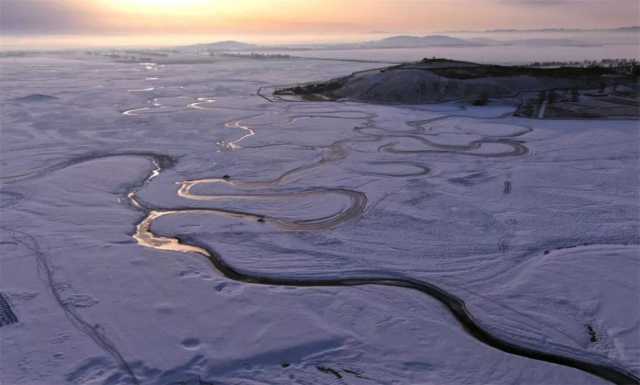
(159, 6)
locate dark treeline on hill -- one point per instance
(442, 80)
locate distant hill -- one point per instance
(551, 43)
(35, 98)
(539, 42)
(417, 42)
(620, 29)
(404, 41)
(409, 41)
(628, 29)
(229, 45)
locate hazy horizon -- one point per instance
(36, 24)
(123, 41)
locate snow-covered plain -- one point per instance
(534, 224)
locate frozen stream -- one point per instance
(166, 224)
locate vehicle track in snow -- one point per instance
(337, 151)
(145, 236)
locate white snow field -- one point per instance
(105, 166)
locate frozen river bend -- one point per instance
(168, 225)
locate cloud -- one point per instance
(44, 16)
(544, 2)
(49, 17)
(590, 3)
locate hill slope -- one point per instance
(441, 80)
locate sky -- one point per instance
(262, 19)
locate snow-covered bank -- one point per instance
(569, 214)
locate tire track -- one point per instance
(91, 331)
(185, 244)
(46, 272)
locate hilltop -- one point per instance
(228, 45)
(443, 80)
(403, 41)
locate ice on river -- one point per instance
(534, 224)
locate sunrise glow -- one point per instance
(171, 21)
(157, 6)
